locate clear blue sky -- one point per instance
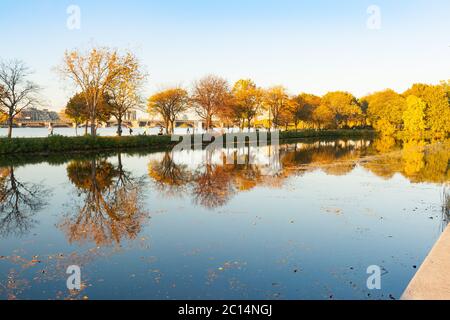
(308, 46)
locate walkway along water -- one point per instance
(432, 281)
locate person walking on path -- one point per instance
(50, 129)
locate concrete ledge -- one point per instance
(432, 281)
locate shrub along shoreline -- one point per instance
(67, 145)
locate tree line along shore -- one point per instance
(61, 144)
(109, 83)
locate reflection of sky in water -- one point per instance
(310, 232)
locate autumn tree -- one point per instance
(231, 114)
(169, 104)
(298, 111)
(302, 107)
(437, 107)
(123, 92)
(18, 92)
(276, 100)
(446, 85)
(310, 103)
(414, 117)
(344, 107)
(323, 116)
(210, 94)
(94, 72)
(385, 111)
(286, 116)
(77, 110)
(247, 99)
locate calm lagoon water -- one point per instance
(186, 225)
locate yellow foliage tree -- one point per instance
(276, 100)
(437, 107)
(309, 103)
(122, 93)
(323, 116)
(385, 111)
(169, 104)
(344, 107)
(414, 117)
(247, 99)
(3, 117)
(94, 72)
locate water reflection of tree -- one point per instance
(384, 144)
(245, 177)
(417, 162)
(19, 202)
(170, 178)
(112, 207)
(212, 186)
(332, 157)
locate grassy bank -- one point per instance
(328, 134)
(60, 144)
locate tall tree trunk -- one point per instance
(10, 126)
(86, 128)
(270, 120)
(119, 126)
(93, 125)
(167, 127)
(208, 123)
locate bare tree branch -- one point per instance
(17, 93)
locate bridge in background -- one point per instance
(127, 123)
(158, 123)
(43, 123)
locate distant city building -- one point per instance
(34, 114)
(131, 115)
